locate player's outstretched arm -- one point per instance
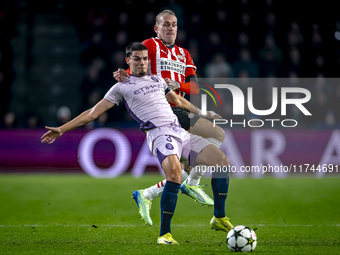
(181, 102)
(175, 99)
(55, 132)
(212, 115)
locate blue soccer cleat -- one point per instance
(144, 206)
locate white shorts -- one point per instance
(168, 140)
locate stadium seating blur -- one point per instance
(57, 57)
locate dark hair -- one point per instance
(134, 46)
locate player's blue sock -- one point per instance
(220, 188)
(168, 205)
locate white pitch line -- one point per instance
(175, 225)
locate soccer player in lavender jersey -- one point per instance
(145, 97)
(176, 66)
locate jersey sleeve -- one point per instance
(165, 85)
(149, 43)
(190, 88)
(114, 94)
(190, 66)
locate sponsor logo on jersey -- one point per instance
(148, 89)
(154, 79)
(180, 57)
(173, 66)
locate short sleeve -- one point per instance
(114, 95)
(190, 62)
(149, 43)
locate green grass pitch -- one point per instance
(77, 214)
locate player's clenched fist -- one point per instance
(120, 75)
(174, 85)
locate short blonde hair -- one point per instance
(165, 12)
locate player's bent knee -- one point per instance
(174, 176)
(223, 163)
(226, 160)
(172, 169)
(219, 133)
(223, 160)
(173, 173)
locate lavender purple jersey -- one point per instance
(144, 98)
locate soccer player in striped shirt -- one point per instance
(175, 65)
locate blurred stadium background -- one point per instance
(60, 53)
(57, 59)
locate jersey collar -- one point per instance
(170, 47)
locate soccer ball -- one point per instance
(241, 238)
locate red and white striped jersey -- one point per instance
(174, 62)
